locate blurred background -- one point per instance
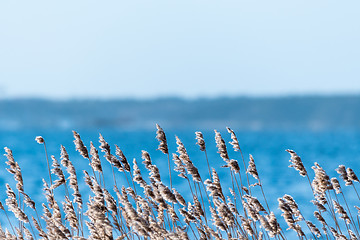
(129, 64)
(282, 74)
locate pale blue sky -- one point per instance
(189, 48)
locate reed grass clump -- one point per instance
(138, 204)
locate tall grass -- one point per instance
(139, 205)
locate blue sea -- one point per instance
(328, 148)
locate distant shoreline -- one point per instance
(186, 99)
(313, 112)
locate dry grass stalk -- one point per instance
(161, 211)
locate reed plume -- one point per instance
(176, 210)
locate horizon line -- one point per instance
(182, 98)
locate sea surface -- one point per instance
(328, 148)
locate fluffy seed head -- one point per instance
(200, 140)
(79, 145)
(160, 135)
(39, 139)
(297, 163)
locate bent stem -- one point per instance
(48, 164)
